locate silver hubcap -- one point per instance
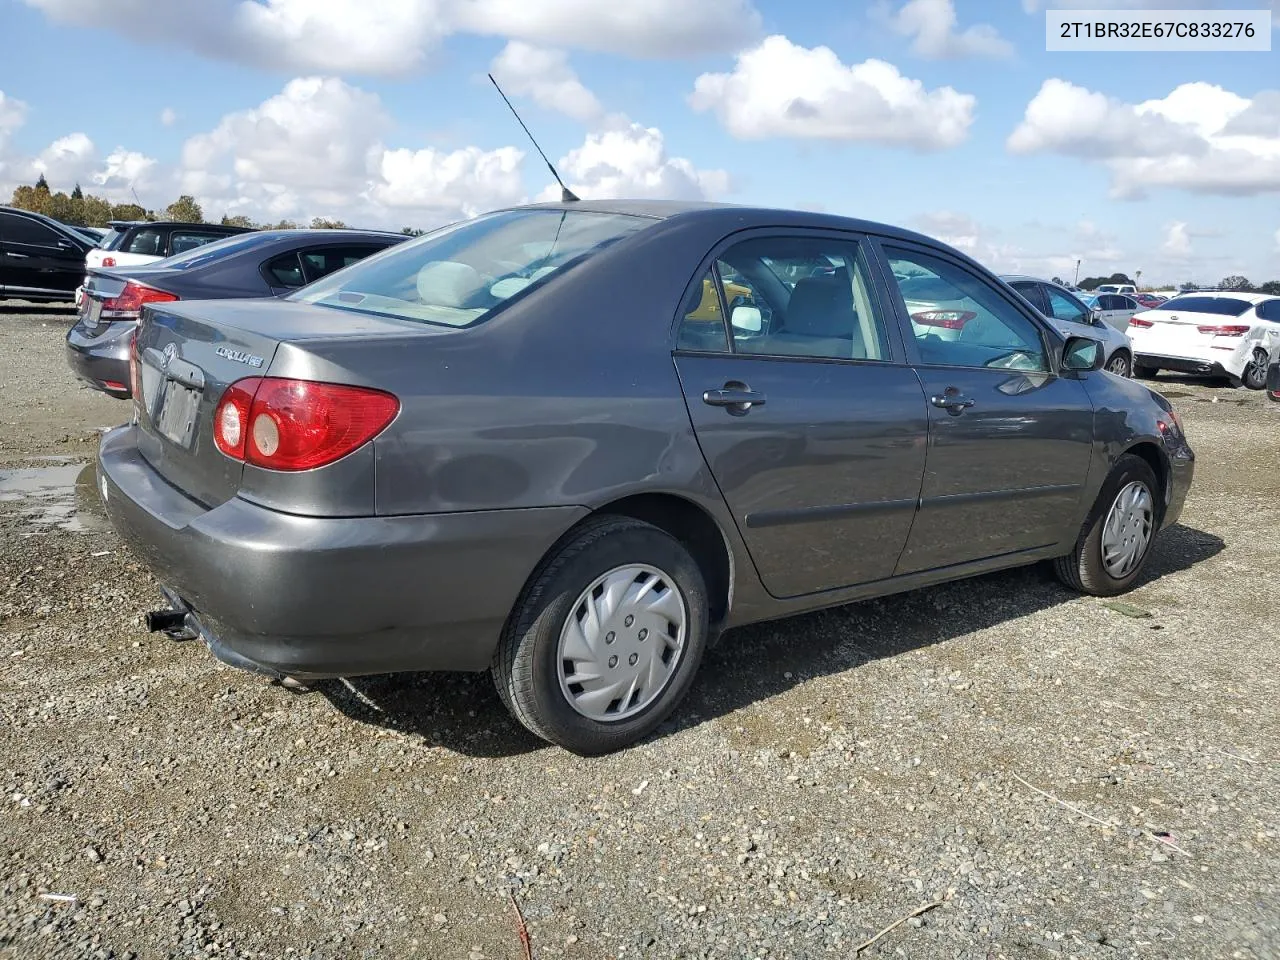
(1127, 531)
(1255, 372)
(1119, 365)
(622, 643)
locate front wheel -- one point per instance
(1254, 375)
(1120, 364)
(1116, 538)
(606, 638)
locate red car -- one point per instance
(1148, 300)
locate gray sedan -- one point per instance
(573, 443)
(266, 263)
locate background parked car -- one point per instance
(1221, 334)
(1114, 308)
(41, 259)
(132, 242)
(1273, 378)
(1073, 318)
(1148, 301)
(1126, 288)
(262, 264)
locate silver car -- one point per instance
(1074, 318)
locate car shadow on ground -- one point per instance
(462, 712)
(37, 309)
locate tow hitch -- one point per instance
(173, 621)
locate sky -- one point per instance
(945, 116)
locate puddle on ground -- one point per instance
(62, 497)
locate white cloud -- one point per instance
(627, 159)
(1200, 137)
(1058, 248)
(168, 117)
(636, 28)
(545, 75)
(932, 24)
(1177, 241)
(446, 186)
(13, 114)
(316, 148)
(391, 37)
(779, 89)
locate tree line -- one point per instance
(1235, 282)
(86, 210)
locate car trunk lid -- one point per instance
(188, 355)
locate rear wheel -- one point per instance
(1145, 372)
(1120, 364)
(1116, 538)
(1254, 375)
(606, 638)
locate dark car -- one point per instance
(1273, 379)
(41, 259)
(266, 263)
(528, 443)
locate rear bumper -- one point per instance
(101, 357)
(1211, 363)
(312, 597)
(1182, 470)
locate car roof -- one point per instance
(126, 224)
(745, 216)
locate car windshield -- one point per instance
(111, 239)
(1224, 306)
(206, 253)
(462, 273)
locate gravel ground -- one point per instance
(829, 775)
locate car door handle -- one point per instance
(952, 402)
(735, 397)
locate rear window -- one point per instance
(110, 240)
(207, 253)
(1224, 306)
(461, 274)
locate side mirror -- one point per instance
(1082, 354)
(746, 318)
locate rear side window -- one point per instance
(147, 242)
(16, 229)
(701, 318)
(463, 274)
(1224, 306)
(225, 246)
(960, 319)
(323, 261)
(286, 271)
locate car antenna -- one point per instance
(566, 195)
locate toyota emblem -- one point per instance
(170, 351)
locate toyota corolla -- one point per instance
(532, 443)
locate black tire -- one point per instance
(1120, 363)
(524, 666)
(1143, 372)
(1255, 372)
(1083, 568)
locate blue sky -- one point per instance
(946, 116)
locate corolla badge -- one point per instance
(239, 356)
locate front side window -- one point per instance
(25, 230)
(1066, 308)
(462, 274)
(960, 319)
(800, 297)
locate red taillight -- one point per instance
(128, 303)
(947, 319)
(285, 424)
(108, 261)
(1139, 322)
(135, 375)
(1231, 330)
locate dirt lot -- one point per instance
(828, 776)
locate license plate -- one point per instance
(176, 419)
(92, 311)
